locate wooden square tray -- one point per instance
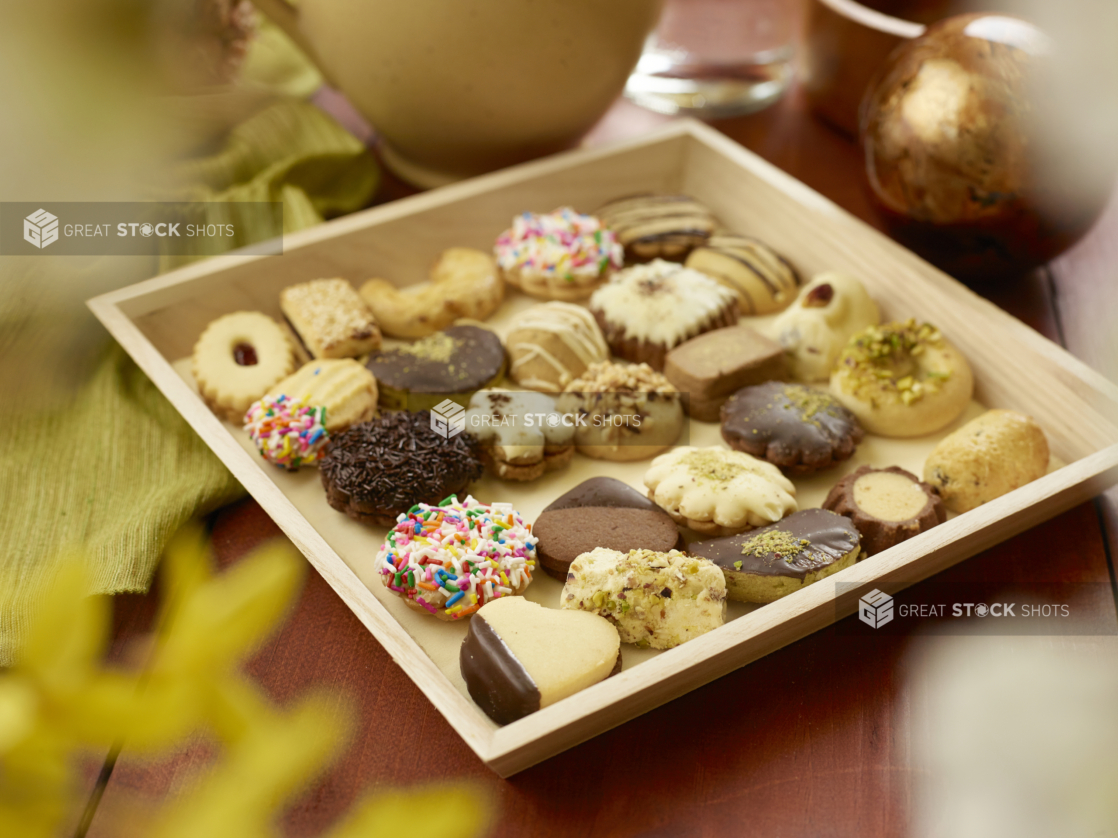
(157, 322)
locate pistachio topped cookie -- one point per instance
(767, 564)
(798, 428)
(656, 600)
(903, 379)
(716, 491)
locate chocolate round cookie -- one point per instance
(887, 505)
(798, 428)
(600, 512)
(378, 470)
(767, 564)
(454, 364)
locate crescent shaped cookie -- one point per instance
(464, 283)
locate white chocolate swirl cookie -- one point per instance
(518, 442)
(717, 491)
(552, 344)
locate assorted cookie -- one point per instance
(454, 363)
(903, 379)
(515, 439)
(378, 470)
(795, 427)
(618, 552)
(716, 491)
(767, 564)
(764, 281)
(658, 226)
(552, 344)
(886, 505)
(561, 255)
(624, 412)
(519, 657)
(825, 315)
(646, 310)
(464, 284)
(330, 319)
(237, 358)
(988, 457)
(715, 365)
(345, 389)
(601, 512)
(656, 600)
(450, 559)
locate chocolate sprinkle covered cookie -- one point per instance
(378, 470)
(797, 428)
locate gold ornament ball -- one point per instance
(962, 158)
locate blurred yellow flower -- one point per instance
(62, 698)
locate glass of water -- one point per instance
(715, 58)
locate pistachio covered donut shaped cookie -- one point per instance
(902, 379)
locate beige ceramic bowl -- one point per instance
(457, 88)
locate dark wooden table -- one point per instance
(809, 741)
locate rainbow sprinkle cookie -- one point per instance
(562, 255)
(287, 432)
(451, 559)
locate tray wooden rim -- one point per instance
(516, 746)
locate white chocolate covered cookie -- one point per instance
(815, 328)
(517, 441)
(656, 600)
(716, 491)
(646, 310)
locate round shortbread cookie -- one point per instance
(237, 358)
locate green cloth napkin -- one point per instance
(112, 470)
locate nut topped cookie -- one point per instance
(903, 379)
(658, 226)
(798, 428)
(646, 310)
(769, 563)
(330, 318)
(887, 505)
(656, 600)
(630, 411)
(716, 491)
